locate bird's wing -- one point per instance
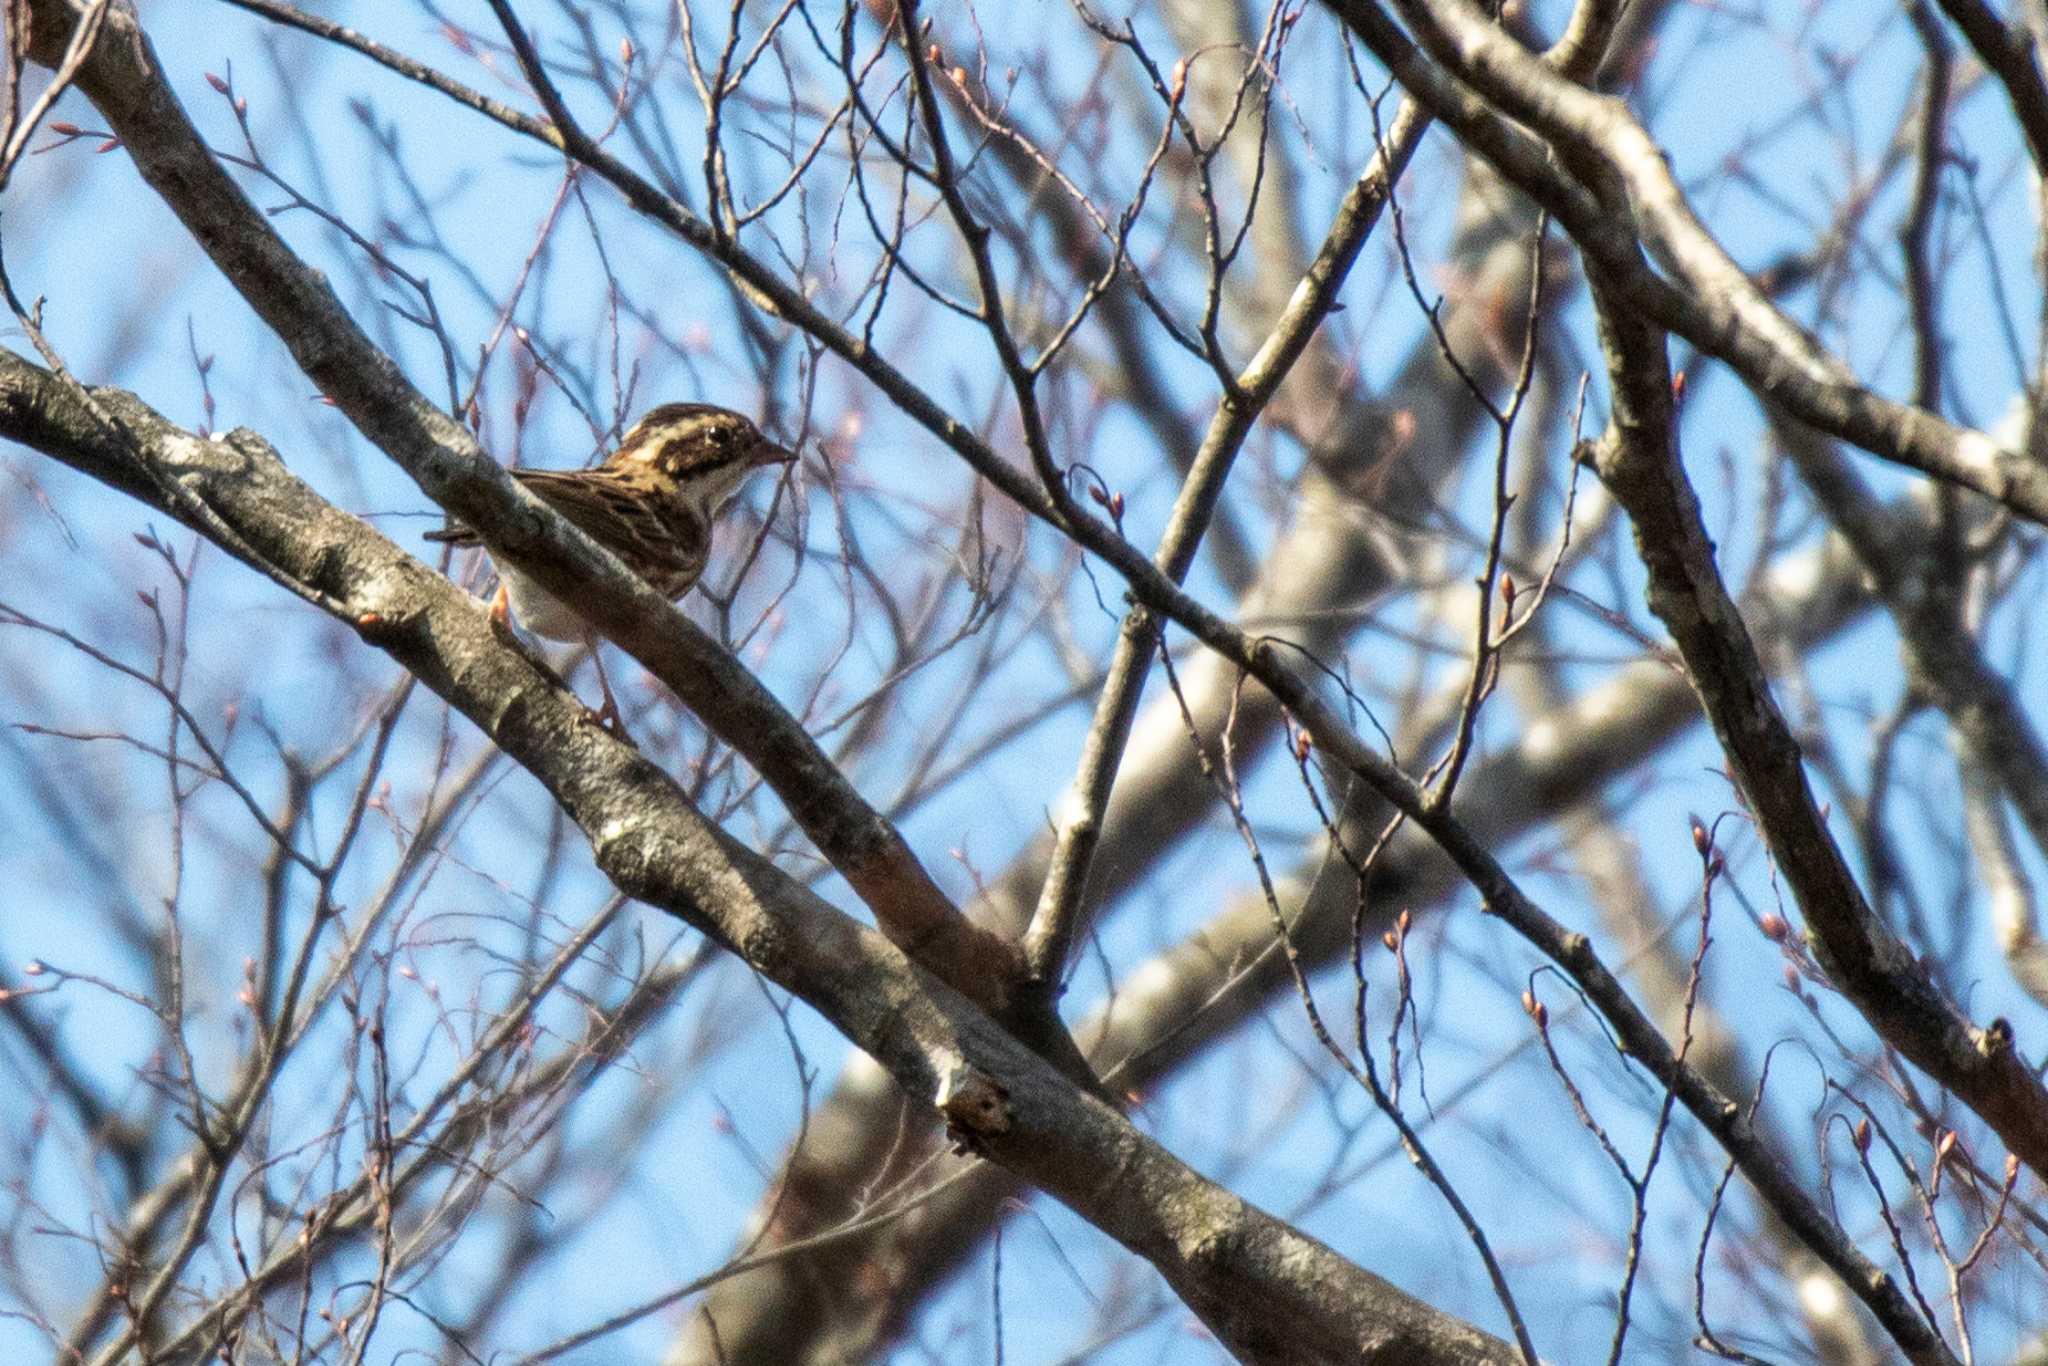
(667, 543)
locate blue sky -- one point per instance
(130, 300)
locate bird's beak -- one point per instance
(772, 454)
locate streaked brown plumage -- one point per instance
(651, 503)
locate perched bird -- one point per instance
(651, 503)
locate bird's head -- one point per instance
(707, 450)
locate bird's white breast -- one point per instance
(540, 611)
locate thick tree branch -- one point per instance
(125, 83)
(1944, 663)
(1269, 1293)
(1174, 1006)
(1712, 304)
(2008, 50)
(1638, 460)
(1057, 919)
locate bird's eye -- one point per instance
(721, 436)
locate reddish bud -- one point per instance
(1774, 927)
(1862, 1135)
(1388, 939)
(960, 76)
(67, 130)
(932, 55)
(1701, 840)
(109, 145)
(217, 83)
(626, 51)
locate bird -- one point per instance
(652, 503)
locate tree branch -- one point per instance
(1268, 1293)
